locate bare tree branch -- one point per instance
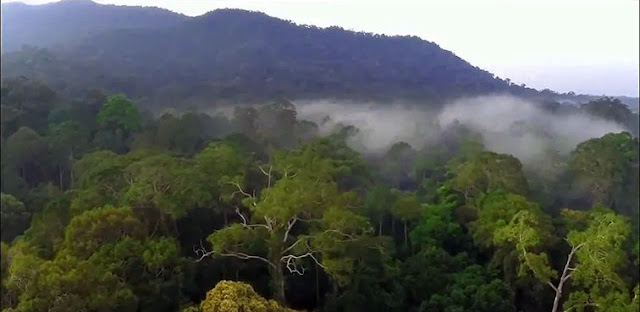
(565, 276)
(270, 222)
(240, 190)
(240, 255)
(245, 224)
(289, 260)
(349, 236)
(268, 174)
(290, 224)
(293, 245)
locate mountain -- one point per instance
(70, 20)
(165, 59)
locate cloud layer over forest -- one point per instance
(507, 124)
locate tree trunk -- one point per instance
(277, 282)
(566, 274)
(71, 169)
(406, 237)
(393, 228)
(380, 227)
(224, 214)
(60, 177)
(317, 286)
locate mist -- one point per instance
(508, 125)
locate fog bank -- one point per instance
(507, 124)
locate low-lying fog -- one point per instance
(508, 124)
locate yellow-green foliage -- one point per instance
(230, 296)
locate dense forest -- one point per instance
(236, 162)
(107, 208)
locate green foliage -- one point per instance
(119, 113)
(185, 135)
(378, 204)
(165, 183)
(601, 251)
(26, 151)
(528, 230)
(89, 231)
(46, 232)
(497, 210)
(473, 289)
(95, 225)
(14, 217)
(438, 226)
(407, 207)
(100, 179)
(488, 172)
(25, 103)
(604, 170)
(221, 166)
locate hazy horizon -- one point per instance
(588, 47)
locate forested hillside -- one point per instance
(105, 208)
(234, 54)
(164, 59)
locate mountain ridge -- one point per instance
(246, 55)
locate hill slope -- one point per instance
(168, 59)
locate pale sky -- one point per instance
(564, 45)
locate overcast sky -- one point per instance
(564, 45)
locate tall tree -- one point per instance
(592, 262)
(287, 216)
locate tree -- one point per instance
(64, 284)
(437, 225)
(472, 289)
(230, 296)
(498, 208)
(163, 189)
(612, 109)
(119, 113)
(5, 296)
(25, 103)
(407, 208)
(26, 153)
(118, 118)
(14, 217)
(277, 122)
(68, 139)
(138, 272)
(488, 172)
(286, 216)
(46, 232)
(605, 171)
(245, 120)
(221, 168)
(99, 178)
(593, 258)
(397, 165)
(378, 204)
(89, 231)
